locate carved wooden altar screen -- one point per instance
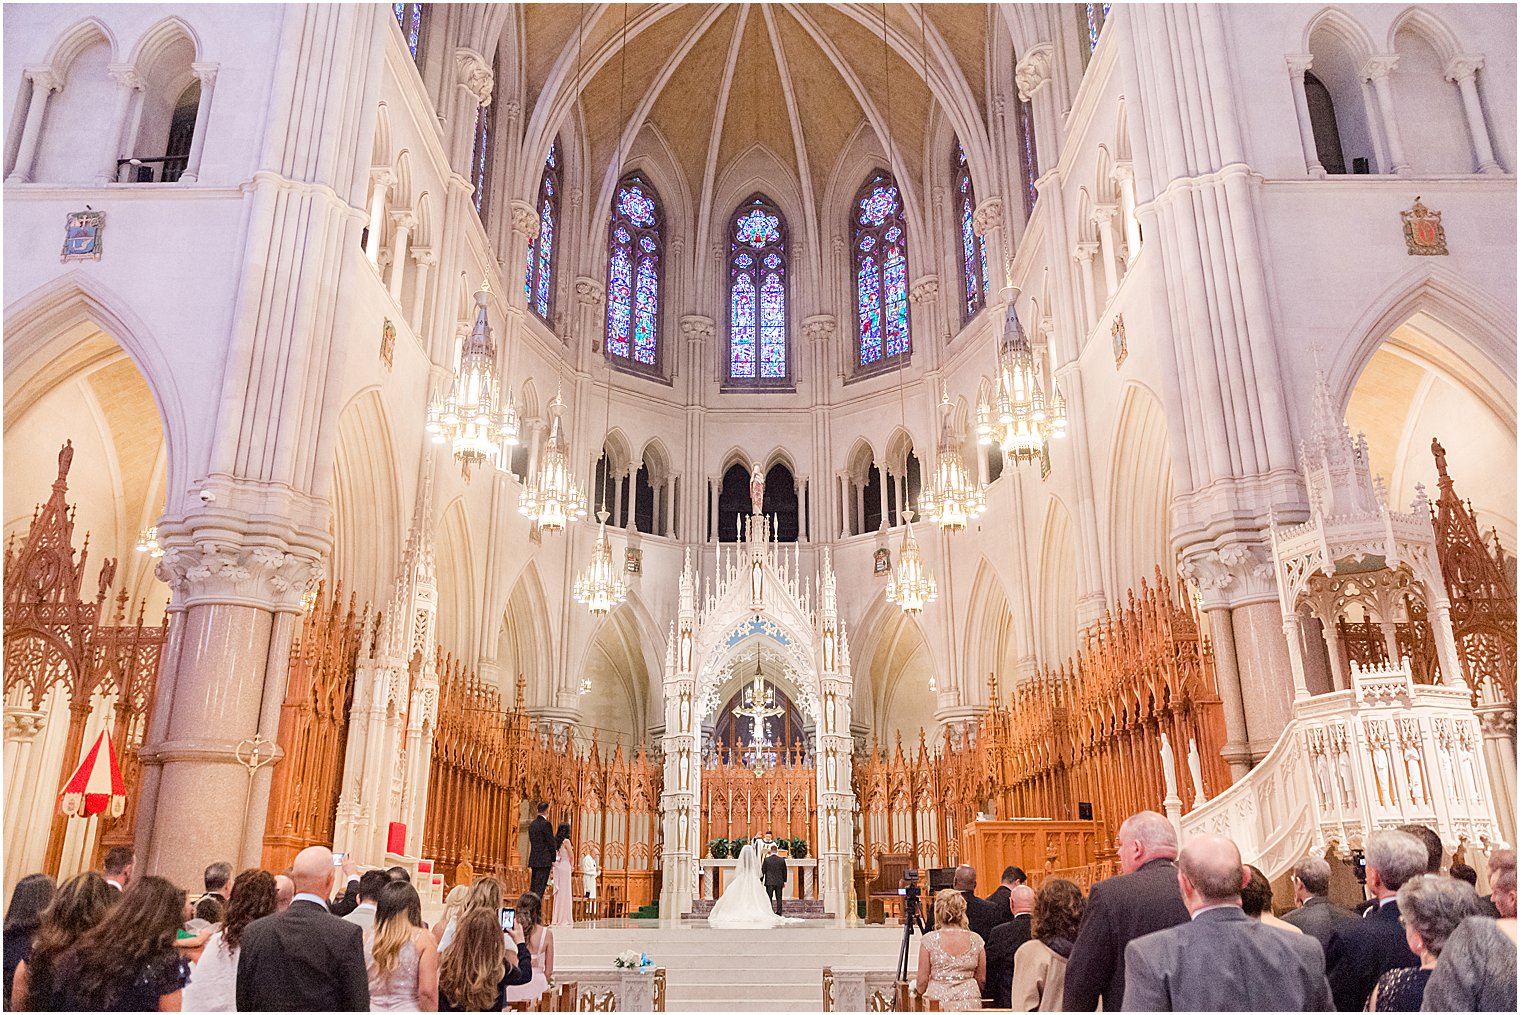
(303, 794)
(56, 641)
(920, 803)
(740, 801)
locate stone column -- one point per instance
(1032, 76)
(44, 83)
(1084, 258)
(21, 729)
(524, 231)
(128, 84)
(987, 222)
(402, 222)
(425, 258)
(1103, 218)
(1462, 71)
(1124, 176)
(207, 73)
(881, 488)
(382, 178)
(842, 485)
(1376, 71)
(1297, 65)
(589, 298)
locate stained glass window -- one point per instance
(413, 21)
(880, 252)
(757, 262)
(973, 247)
(480, 164)
(1029, 163)
(635, 246)
(538, 282)
(1091, 18)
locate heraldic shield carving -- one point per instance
(1423, 231)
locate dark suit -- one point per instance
(541, 850)
(304, 959)
(1119, 910)
(998, 900)
(1225, 960)
(773, 873)
(1319, 916)
(980, 916)
(1363, 950)
(1005, 940)
(348, 901)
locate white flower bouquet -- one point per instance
(631, 959)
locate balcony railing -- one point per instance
(161, 169)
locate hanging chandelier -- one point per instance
(1019, 419)
(759, 699)
(950, 498)
(910, 585)
(147, 542)
(599, 586)
(555, 499)
(468, 418)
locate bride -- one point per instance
(744, 905)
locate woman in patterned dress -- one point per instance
(952, 961)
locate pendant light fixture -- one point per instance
(471, 418)
(1018, 418)
(555, 499)
(950, 498)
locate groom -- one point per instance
(773, 873)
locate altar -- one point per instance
(801, 878)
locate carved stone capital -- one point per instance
(383, 177)
(1104, 213)
(1123, 171)
(44, 78)
(1234, 574)
(925, 289)
(424, 255)
(696, 328)
(22, 724)
(1379, 66)
(1086, 251)
(1463, 68)
(475, 74)
(1033, 71)
(820, 327)
(1298, 63)
(206, 72)
(223, 570)
(125, 75)
(402, 218)
(988, 215)
(588, 291)
(525, 220)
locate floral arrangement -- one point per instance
(631, 959)
(719, 849)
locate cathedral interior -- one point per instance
(881, 424)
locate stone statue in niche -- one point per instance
(388, 344)
(757, 490)
(1423, 233)
(1195, 769)
(1121, 341)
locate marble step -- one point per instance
(804, 909)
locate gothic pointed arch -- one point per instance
(879, 252)
(758, 286)
(635, 272)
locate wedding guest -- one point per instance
(562, 914)
(366, 894)
(303, 959)
(1004, 942)
(348, 877)
(1462, 872)
(979, 915)
(1316, 915)
(1363, 950)
(998, 900)
(403, 957)
(952, 961)
(209, 912)
(78, 905)
(475, 973)
(22, 918)
(445, 926)
(1429, 838)
(484, 894)
(118, 867)
(218, 880)
(1431, 908)
(1256, 901)
(213, 981)
(1141, 900)
(1477, 968)
(541, 848)
(1501, 882)
(540, 941)
(128, 961)
(284, 892)
(1221, 960)
(399, 873)
(1039, 966)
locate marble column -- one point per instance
(44, 83)
(425, 258)
(1462, 71)
(1377, 70)
(1103, 218)
(129, 84)
(382, 178)
(207, 74)
(402, 224)
(22, 726)
(1085, 251)
(1297, 65)
(1124, 175)
(881, 488)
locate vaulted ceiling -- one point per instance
(717, 80)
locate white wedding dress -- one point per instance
(744, 905)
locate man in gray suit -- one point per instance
(1222, 960)
(368, 893)
(1316, 914)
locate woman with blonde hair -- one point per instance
(952, 961)
(453, 909)
(402, 957)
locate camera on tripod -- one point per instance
(911, 919)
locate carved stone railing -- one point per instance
(1386, 752)
(616, 989)
(858, 989)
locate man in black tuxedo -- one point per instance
(304, 959)
(773, 873)
(1142, 900)
(980, 916)
(1007, 938)
(998, 900)
(541, 847)
(1363, 950)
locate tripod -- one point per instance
(911, 919)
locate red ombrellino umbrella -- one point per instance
(96, 787)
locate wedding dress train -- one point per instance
(744, 905)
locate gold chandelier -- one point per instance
(600, 587)
(555, 499)
(147, 542)
(1019, 419)
(951, 498)
(759, 702)
(910, 585)
(468, 418)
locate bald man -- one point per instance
(304, 959)
(1005, 940)
(1222, 959)
(284, 892)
